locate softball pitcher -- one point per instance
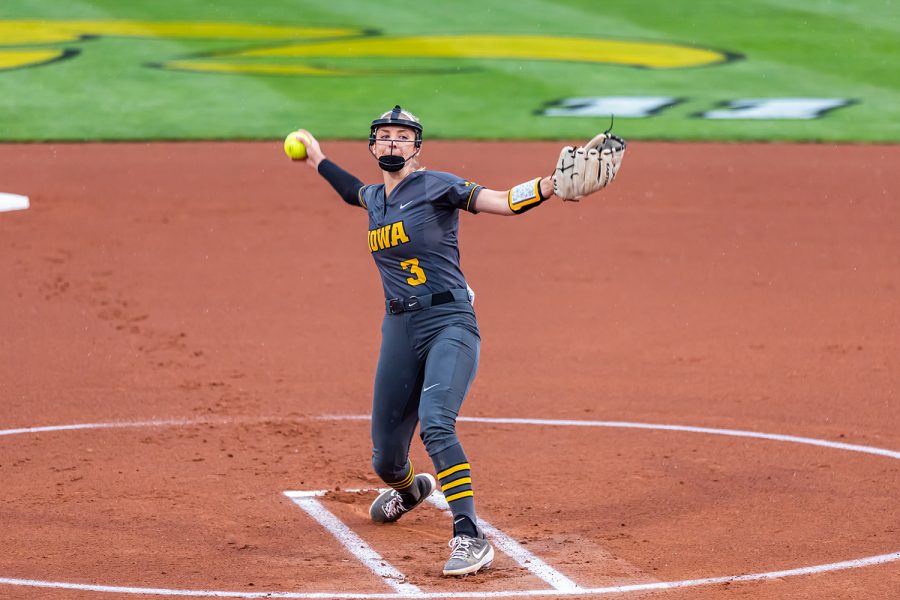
(430, 338)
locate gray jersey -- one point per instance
(413, 233)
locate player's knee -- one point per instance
(387, 468)
(437, 433)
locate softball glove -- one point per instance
(590, 168)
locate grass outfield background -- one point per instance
(330, 66)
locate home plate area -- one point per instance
(518, 571)
(310, 502)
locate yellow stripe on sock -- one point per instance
(459, 495)
(452, 470)
(406, 481)
(458, 482)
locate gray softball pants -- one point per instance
(427, 362)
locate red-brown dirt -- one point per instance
(751, 287)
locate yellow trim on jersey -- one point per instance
(464, 494)
(454, 469)
(471, 193)
(360, 195)
(456, 483)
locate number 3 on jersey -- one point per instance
(418, 275)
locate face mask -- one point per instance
(392, 163)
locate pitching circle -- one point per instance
(656, 586)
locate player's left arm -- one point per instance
(515, 200)
(579, 172)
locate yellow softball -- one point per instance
(294, 147)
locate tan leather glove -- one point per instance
(585, 170)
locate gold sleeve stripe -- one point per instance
(360, 195)
(456, 483)
(453, 469)
(464, 494)
(406, 480)
(471, 193)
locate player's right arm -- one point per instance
(497, 202)
(346, 185)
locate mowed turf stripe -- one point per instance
(788, 51)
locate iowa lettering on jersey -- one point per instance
(387, 236)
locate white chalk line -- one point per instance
(13, 202)
(657, 426)
(356, 545)
(523, 557)
(619, 589)
(640, 587)
(133, 424)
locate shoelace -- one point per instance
(460, 545)
(394, 506)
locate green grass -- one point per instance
(790, 48)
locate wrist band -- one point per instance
(525, 196)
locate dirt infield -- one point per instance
(729, 287)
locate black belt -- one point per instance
(395, 306)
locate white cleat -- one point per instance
(469, 555)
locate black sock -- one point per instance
(464, 526)
(410, 496)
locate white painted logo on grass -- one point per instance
(604, 106)
(637, 107)
(767, 109)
